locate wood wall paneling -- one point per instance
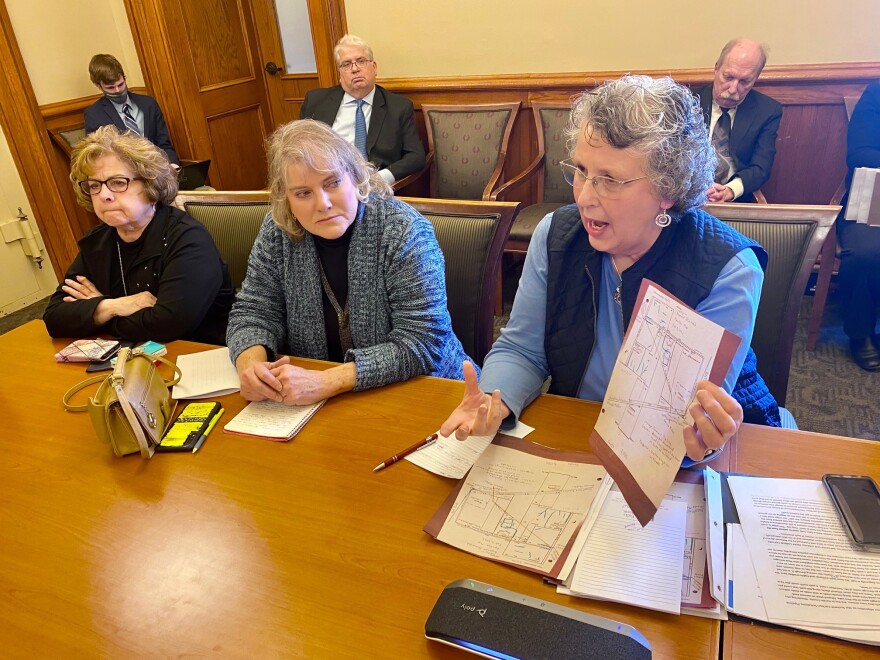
(811, 144)
(234, 136)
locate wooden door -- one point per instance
(202, 62)
(287, 90)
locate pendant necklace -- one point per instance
(341, 314)
(121, 270)
(619, 281)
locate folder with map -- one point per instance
(668, 348)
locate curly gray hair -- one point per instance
(661, 120)
(317, 146)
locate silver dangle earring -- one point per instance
(663, 219)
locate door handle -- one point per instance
(272, 68)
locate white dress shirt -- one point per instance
(344, 122)
(735, 184)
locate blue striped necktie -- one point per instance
(129, 121)
(360, 128)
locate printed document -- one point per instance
(667, 350)
(808, 570)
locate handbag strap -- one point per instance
(65, 400)
(117, 380)
(124, 355)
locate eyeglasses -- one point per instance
(361, 62)
(605, 186)
(115, 184)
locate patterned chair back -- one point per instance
(233, 220)
(792, 235)
(471, 235)
(469, 145)
(554, 119)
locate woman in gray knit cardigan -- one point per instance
(341, 271)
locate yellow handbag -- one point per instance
(132, 407)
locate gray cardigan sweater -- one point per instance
(400, 324)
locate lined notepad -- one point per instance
(271, 420)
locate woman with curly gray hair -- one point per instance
(640, 165)
(341, 271)
(148, 271)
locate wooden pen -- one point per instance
(406, 452)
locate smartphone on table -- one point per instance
(857, 500)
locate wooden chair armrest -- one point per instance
(415, 176)
(839, 193)
(759, 197)
(519, 178)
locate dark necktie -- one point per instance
(360, 128)
(721, 142)
(129, 121)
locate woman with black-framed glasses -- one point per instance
(641, 163)
(148, 271)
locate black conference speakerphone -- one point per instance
(497, 623)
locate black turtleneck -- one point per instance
(333, 256)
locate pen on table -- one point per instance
(406, 452)
(201, 440)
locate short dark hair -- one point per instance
(105, 69)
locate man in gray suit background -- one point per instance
(379, 123)
(742, 122)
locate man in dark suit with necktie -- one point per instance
(742, 122)
(126, 110)
(379, 123)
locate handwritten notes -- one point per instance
(625, 562)
(449, 457)
(272, 420)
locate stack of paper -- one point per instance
(206, 374)
(790, 562)
(661, 566)
(863, 204)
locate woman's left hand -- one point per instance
(79, 288)
(301, 387)
(717, 417)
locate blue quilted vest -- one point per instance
(685, 260)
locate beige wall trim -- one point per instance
(837, 72)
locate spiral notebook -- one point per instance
(271, 420)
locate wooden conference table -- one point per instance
(255, 548)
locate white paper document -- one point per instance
(668, 349)
(693, 568)
(450, 457)
(205, 374)
(810, 575)
(520, 508)
(625, 562)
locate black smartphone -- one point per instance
(857, 499)
(104, 364)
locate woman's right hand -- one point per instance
(258, 382)
(478, 413)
